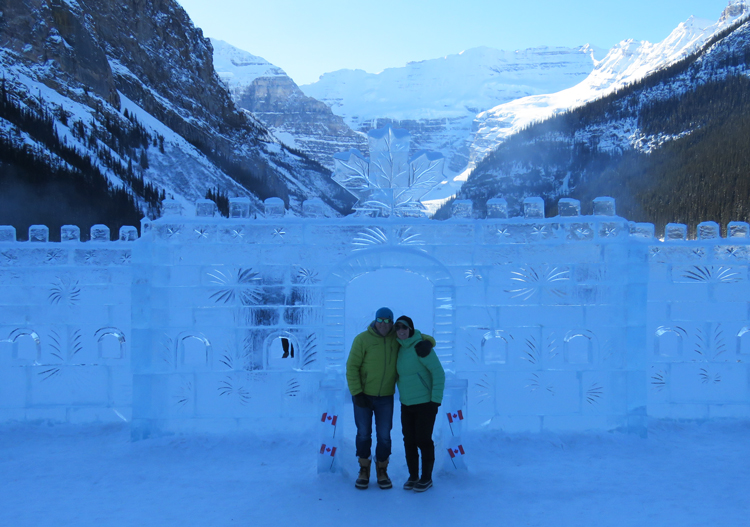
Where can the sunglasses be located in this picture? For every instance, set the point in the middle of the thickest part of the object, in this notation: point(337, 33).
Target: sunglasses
point(398, 327)
point(384, 320)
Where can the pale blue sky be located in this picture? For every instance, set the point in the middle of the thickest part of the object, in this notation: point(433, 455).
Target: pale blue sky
point(307, 38)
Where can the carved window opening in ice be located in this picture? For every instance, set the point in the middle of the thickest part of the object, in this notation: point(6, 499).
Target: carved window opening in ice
point(110, 343)
point(743, 341)
point(388, 183)
point(495, 347)
point(579, 348)
point(193, 351)
point(398, 289)
point(349, 306)
point(281, 352)
point(27, 346)
point(669, 342)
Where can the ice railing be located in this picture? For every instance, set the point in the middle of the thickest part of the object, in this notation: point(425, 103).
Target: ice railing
point(568, 322)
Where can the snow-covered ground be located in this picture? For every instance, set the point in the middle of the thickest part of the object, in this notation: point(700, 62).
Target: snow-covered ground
point(684, 474)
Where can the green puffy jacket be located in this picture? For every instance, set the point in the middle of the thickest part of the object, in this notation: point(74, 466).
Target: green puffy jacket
point(371, 366)
point(420, 379)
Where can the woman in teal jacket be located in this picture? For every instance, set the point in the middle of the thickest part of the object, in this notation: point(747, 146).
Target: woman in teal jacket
point(421, 380)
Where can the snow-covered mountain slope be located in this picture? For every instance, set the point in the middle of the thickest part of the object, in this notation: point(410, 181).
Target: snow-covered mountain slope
point(106, 65)
point(672, 146)
point(437, 100)
point(626, 63)
point(273, 98)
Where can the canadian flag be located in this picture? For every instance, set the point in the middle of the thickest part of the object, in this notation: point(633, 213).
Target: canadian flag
point(328, 450)
point(328, 418)
point(456, 451)
point(455, 416)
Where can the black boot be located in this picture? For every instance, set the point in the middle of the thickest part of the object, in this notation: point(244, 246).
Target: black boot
point(409, 485)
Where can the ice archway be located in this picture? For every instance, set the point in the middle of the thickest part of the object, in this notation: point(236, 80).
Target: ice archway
point(342, 318)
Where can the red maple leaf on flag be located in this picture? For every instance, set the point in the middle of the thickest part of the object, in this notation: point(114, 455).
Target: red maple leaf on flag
point(456, 451)
point(328, 418)
point(328, 450)
point(455, 416)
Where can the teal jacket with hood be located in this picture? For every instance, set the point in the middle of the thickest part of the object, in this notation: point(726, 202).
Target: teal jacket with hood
point(420, 379)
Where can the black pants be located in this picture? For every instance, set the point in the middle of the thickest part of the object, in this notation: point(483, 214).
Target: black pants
point(417, 422)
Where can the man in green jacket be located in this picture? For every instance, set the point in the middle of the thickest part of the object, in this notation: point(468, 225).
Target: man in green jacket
point(371, 376)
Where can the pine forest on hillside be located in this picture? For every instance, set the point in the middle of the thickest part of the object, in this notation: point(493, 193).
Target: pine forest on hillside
point(45, 181)
point(698, 170)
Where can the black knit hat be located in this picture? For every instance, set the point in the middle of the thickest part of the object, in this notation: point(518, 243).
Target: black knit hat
point(406, 321)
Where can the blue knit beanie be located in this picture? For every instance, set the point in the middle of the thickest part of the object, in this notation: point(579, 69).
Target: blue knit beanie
point(384, 312)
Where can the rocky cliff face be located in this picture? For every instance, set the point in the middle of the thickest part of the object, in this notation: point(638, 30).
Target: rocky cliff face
point(99, 58)
point(273, 98)
point(437, 100)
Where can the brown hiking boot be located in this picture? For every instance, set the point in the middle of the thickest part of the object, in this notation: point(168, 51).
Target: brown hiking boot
point(383, 480)
point(363, 478)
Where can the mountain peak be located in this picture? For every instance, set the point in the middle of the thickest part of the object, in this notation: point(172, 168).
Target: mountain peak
point(735, 9)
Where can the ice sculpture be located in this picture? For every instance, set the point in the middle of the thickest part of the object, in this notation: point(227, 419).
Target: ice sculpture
point(388, 183)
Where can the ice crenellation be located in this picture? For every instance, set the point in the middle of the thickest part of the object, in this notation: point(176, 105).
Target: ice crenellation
point(573, 322)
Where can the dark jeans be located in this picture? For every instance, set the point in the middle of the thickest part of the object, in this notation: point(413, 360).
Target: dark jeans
point(417, 422)
point(382, 409)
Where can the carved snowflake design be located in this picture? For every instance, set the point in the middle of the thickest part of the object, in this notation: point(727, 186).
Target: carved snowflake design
point(655, 251)
point(65, 291)
point(292, 388)
point(582, 233)
point(237, 234)
point(387, 183)
point(406, 237)
point(733, 252)
point(707, 377)
point(502, 232)
point(700, 252)
point(172, 231)
point(307, 276)
point(54, 256)
point(64, 350)
point(308, 353)
point(710, 344)
point(370, 237)
point(531, 351)
point(166, 350)
point(473, 274)
point(242, 285)
point(551, 342)
point(594, 393)
point(10, 257)
point(539, 281)
point(704, 273)
point(472, 354)
point(184, 394)
point(125, 258)
point(539, 231)
point(232, 388)
point(89, 256)
point(536, 383)
point(609, 232)
point(201, 233)
point(659, 380)
point(484, 389)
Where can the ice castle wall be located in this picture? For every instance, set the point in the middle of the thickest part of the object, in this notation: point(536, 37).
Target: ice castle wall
point(565, 323)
